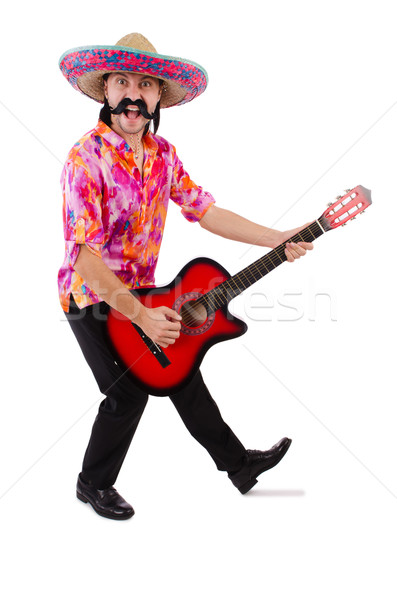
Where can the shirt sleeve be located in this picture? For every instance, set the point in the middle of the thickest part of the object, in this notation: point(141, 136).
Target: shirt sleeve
point(82, 210)
point(193, 200)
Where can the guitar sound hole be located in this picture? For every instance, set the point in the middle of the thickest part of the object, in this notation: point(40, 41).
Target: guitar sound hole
point(196, 319)
point(193, 314)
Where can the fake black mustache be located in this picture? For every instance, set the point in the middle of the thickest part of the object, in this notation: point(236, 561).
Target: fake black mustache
point(121, 107)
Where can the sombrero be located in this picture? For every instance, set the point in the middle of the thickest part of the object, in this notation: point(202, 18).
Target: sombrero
point(84, 68)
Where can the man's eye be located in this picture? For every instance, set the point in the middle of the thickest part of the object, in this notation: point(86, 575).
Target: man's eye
point(121, 81)
point(146, 83)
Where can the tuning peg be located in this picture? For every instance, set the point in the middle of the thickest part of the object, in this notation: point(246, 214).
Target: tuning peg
point(362, 212)
point(330, 204)
point(343, 224)
point(352, 219)
point(339, 197)
point(347, 191)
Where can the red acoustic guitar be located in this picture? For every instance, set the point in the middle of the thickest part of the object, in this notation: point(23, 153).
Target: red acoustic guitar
point(201, 293)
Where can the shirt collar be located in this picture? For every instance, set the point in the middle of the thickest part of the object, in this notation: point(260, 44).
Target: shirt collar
point(115, 140)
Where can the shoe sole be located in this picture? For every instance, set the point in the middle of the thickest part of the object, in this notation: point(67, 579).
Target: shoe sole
point(103, 514)
point(243, 489)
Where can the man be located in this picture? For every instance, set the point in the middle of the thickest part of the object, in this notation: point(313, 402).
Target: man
point(116, 182)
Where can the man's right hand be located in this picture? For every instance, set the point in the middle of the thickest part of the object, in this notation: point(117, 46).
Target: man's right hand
point(161, 324)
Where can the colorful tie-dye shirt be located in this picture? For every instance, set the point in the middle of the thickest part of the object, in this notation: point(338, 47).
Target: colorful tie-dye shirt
point(116, 213)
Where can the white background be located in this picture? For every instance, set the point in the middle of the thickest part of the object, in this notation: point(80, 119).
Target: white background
point(301, 104)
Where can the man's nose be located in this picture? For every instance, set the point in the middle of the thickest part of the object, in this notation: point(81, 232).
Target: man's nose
point(133, 91)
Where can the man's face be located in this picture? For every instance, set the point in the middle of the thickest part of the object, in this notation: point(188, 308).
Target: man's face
point(134, 86)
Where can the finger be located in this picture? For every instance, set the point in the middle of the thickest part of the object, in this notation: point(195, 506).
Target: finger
point(300, 248)
point(306, 245)
point(289, 256)
point(163, 321)
point(172, 314)
point(164, 342)
point(295, 250)
point(165, 335)
point(172, 325)
point(174, 333)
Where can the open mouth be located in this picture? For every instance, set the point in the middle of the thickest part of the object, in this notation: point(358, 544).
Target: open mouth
point(132, 113)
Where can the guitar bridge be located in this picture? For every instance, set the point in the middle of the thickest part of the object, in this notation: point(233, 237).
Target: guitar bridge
point(154, 348)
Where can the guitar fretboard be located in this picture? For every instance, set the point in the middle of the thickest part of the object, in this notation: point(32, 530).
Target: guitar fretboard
point(222, 294)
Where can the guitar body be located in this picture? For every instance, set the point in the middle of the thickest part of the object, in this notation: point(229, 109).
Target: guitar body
point(185, 356)
point(200, 294)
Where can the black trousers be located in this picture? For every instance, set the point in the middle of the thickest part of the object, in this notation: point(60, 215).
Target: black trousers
point(121, 410)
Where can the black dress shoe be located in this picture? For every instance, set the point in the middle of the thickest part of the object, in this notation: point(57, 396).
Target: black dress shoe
point(107, 503)
point(256, 462)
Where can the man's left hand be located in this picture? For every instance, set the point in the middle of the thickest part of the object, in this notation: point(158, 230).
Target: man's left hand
point(292, 250)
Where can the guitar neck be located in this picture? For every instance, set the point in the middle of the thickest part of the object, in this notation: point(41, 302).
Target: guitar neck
point(222, 294)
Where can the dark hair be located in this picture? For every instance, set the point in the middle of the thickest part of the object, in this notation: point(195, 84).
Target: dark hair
point(156, 118)
point(106, 117)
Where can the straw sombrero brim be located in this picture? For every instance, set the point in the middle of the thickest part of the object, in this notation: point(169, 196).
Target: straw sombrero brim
point(84, 68)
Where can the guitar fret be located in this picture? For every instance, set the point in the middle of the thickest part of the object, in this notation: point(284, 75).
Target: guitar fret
point(256, 267)
point(241, 281)
point(229, 289)
point(270, 258)
point(206, 301)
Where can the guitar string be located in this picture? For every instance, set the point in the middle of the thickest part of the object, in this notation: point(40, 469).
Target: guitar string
point(247, 276)
point(252, 278)
point(217, 293)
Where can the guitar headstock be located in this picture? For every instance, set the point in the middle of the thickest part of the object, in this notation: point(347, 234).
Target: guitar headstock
point(346, 207)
